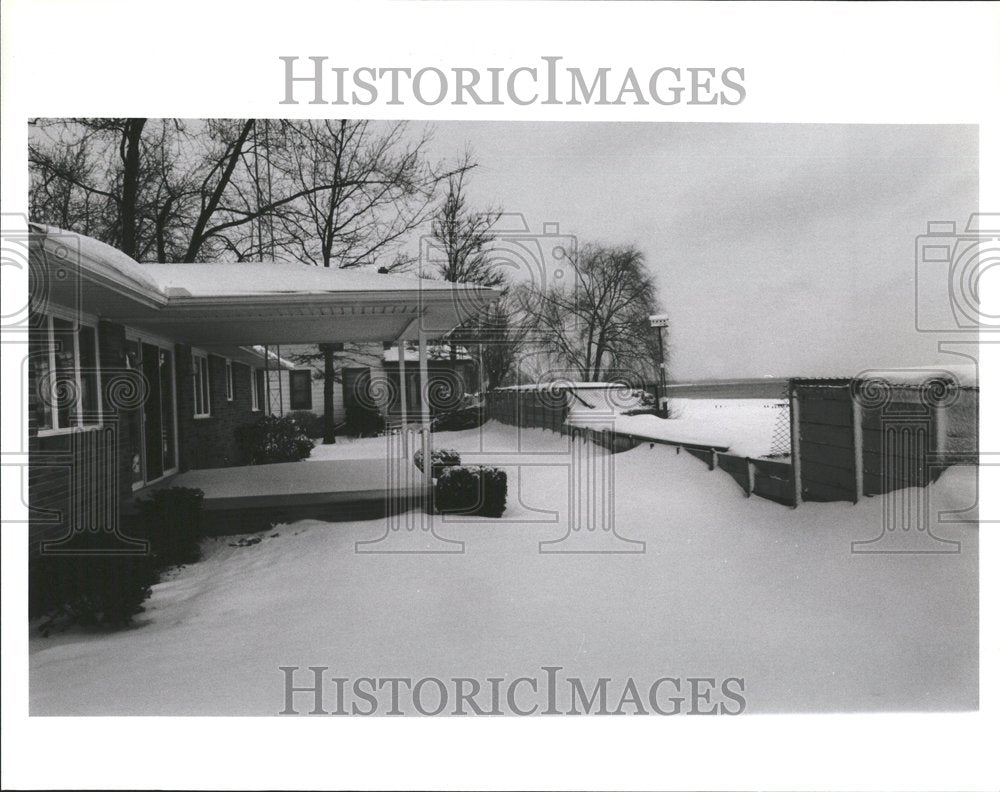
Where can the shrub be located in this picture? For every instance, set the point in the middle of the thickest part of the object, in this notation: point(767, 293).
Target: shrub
point(455, 420)
point(473, 490)
point(171, 519)
point(90, 590)
point(94, 587)
point(310, 423)
point(272, 439)
point(364, 422)
point(441, 458)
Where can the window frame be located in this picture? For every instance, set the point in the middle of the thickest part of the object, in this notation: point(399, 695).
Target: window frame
point(201, 379)
point(77, 321)
point(255, 405)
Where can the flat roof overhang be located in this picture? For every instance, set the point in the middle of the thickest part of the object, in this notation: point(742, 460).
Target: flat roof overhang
point(308, 319)
point(279, 317)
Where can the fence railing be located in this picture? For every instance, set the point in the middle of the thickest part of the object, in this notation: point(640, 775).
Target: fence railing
point(843, 439)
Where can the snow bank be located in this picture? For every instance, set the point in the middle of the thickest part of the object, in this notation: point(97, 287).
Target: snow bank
point(727, 587)
point(745, 427)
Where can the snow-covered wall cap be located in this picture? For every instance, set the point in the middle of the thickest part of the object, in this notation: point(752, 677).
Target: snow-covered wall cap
point(272, 356)
point(434, 352)
point(965, 374)
point(556, 384)
point(98, 258)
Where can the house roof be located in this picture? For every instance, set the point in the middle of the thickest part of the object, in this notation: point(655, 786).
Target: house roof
point(246, 303)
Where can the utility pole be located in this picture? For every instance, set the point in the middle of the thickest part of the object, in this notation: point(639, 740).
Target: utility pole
point(662, 324)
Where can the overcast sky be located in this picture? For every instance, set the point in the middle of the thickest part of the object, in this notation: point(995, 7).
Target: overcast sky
point(778, 249)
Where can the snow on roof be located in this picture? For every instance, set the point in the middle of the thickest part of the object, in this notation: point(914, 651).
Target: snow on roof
point(263, 278)
point(221, 279)
point(105, 259)
point(273, 357)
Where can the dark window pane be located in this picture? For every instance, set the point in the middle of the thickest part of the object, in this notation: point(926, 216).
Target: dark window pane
point(133, 417)
point(89, 395)
point(66, 393)
point(153, 414)
point(167, 408)
point(300, 390)
point(41, 398)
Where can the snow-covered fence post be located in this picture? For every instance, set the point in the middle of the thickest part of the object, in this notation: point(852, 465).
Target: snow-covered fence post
point(793, 419)
point(751, 470)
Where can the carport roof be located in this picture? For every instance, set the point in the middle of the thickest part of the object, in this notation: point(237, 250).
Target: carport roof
point(247, 303)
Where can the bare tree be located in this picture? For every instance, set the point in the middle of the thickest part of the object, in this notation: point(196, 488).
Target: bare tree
point(503, 335)
point(464, 236)
point(333, 193)
point(377, 187)
point(462, 240)
point(599, 327)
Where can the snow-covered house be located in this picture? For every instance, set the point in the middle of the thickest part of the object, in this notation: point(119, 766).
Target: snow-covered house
point(367, 376)
point(137, 372)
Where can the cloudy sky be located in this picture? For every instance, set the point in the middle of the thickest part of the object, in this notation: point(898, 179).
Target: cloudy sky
point(778, 249)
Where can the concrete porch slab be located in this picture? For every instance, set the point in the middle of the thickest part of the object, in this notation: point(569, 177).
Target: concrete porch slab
point(307, 483)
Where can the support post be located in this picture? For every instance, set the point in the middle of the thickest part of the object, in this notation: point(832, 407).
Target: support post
point(401, 349)
point(425, 416)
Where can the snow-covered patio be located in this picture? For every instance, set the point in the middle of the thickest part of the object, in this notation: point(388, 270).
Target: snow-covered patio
point(726, 587)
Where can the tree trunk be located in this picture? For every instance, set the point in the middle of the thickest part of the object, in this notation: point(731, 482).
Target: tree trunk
point(130, 183)
point(329, 426)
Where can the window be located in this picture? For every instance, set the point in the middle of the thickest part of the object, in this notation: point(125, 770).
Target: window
point(67, 373)
point(202, 388)
point(300, 389)
point(229, 380)
point(257, 389)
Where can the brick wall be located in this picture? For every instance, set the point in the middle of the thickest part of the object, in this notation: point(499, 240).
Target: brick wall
point(211, 441)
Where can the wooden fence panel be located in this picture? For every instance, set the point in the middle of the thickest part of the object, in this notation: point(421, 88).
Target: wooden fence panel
point(738, 468)
point(774, 488)
point(827, 466)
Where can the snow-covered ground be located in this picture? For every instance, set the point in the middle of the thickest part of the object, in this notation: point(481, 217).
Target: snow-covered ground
point(728, 586)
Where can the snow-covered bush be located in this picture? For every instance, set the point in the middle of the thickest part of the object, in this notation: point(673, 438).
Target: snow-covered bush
point(272, 438)
point(472, 489)
point(89, 590)
point(456, 420)
point(441, 458)
point(171, 520)
point(310, 423)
